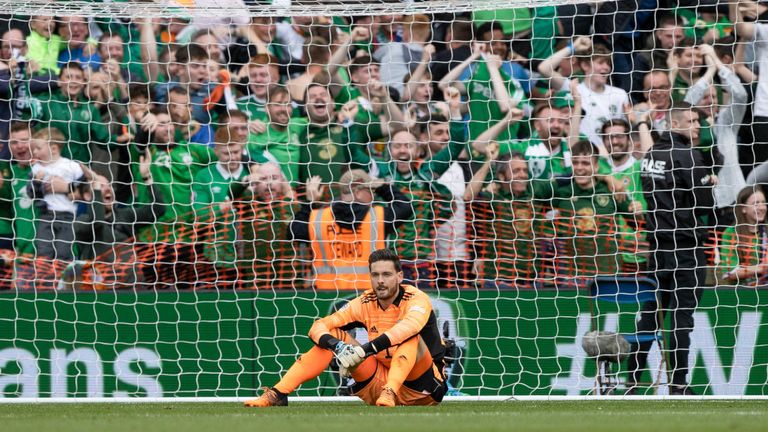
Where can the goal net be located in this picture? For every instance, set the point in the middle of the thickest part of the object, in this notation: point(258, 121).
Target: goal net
point(188, 185)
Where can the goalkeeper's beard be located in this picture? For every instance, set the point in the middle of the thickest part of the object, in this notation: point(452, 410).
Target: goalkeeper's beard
point(384, 293)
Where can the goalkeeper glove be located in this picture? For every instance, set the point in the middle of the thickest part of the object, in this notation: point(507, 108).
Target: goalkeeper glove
point(348, 355)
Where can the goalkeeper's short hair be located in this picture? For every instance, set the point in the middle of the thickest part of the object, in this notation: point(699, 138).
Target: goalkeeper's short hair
point(385, 255)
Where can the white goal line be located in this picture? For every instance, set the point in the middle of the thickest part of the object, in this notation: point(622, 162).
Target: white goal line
point(339, 399)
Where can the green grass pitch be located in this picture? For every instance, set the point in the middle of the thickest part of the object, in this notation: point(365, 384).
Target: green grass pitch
point(592, 416)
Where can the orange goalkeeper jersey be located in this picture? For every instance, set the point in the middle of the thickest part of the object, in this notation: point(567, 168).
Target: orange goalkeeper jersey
point(409, 315)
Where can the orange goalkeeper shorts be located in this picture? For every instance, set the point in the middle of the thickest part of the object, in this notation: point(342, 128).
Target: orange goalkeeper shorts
point(428, 389)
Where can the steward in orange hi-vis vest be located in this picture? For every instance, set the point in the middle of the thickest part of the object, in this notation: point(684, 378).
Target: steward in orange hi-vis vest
point(341, 253)
point(344, 234)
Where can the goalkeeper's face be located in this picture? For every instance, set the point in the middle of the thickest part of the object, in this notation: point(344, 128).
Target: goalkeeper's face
point(385, 280)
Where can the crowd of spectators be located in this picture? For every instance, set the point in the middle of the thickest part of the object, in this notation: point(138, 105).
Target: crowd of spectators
point(504, 148)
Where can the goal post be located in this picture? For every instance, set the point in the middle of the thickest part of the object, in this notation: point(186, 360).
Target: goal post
point(188, 185)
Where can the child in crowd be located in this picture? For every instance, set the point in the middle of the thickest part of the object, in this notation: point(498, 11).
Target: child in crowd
point(56, 183)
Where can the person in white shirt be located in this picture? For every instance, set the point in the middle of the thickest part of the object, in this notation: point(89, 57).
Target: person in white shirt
point(601, 102)
point(398, 59)
point(56, 181)
point(757, 32)
point(725, 119)
point(292, 36)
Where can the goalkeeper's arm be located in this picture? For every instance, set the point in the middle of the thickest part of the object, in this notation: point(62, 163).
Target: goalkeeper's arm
point(346, 318)
point(348, 355)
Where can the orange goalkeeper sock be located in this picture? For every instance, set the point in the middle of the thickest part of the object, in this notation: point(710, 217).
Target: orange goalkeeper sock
point(403, 360)
point(310, 365)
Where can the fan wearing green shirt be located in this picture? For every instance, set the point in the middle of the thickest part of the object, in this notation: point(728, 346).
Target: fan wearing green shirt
point(705, 25)
point(486, 80)
point(20, 213)
point(6, 197)
point(507, 221)
point(173, 168)
point(262, 36)
point(112, 49)
point(376, 106)
point(69, 111)
point(213, 206)
point(586, 220)
point(175, 165)
point(211, 184)
point(267, 207)
point(624, 163)
point(510, 235)
point(130, 50)
point(742, 248)
point(331, 143)
point(432, 202)
point(364, 82)
point(547, 151)
point(279, 143)
point(261, 72)
point(685, 68)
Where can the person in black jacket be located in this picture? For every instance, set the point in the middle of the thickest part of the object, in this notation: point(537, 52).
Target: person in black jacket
point(677, 183)
point(106, 226)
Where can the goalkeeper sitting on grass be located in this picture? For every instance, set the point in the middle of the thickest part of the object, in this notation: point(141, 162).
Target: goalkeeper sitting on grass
point(403, 362)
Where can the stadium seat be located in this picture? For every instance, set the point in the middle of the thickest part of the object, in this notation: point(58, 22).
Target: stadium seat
point(624, 290)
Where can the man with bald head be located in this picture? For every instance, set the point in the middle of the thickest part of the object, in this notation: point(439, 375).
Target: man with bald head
point(658, 95)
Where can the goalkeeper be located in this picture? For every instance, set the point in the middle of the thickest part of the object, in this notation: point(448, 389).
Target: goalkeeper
point(403, 362)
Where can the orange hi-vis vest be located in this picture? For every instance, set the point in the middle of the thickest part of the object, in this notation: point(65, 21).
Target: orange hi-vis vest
point(341, 254)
